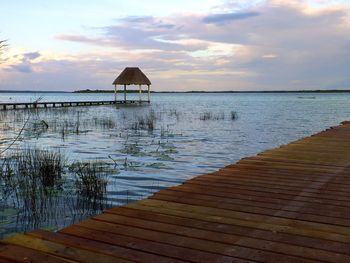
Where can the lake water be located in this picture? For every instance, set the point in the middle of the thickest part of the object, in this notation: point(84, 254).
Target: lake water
point(191, 134)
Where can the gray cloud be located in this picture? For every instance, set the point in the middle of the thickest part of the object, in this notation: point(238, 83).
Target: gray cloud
point(31, 55)
point(138, 33)
point(23, 67)
point(228, 17)
point(148, 21)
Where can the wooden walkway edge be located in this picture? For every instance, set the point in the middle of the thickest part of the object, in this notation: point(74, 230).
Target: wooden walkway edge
point(55, 104)
point(289, 204)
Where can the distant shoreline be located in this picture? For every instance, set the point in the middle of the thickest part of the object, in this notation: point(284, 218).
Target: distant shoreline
point(136, 91)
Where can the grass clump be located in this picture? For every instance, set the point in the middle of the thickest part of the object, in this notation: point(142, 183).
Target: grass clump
point(146, 122)
point(219, 116)
point(233, 115)
point(43, 165)
point(31, 180)
point(91, 181)
point(206, 116)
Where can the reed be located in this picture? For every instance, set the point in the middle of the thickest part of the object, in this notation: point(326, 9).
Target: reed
point(205, 116)
point(145, 122)
point(91, 182)
point(234, 115)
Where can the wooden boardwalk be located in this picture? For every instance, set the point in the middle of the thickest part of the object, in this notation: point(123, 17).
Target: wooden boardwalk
point(290, 204)
point(48, 104)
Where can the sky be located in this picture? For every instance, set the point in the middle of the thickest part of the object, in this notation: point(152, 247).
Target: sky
point(180, 45)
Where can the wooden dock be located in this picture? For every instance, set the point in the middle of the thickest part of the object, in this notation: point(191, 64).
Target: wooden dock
point(290, 204)
point(35, 105)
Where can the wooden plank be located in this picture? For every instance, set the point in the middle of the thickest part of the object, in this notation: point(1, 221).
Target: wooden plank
point(269, 191)
point(276, 213)
point(309, 185)
point(26, 105)
point(184, 219)
point(338, 181)
point(316, 230)
point(296, 183)
point(65, 250)
point(4, 260)
point(161, 249)
point(204, 248)
point(103, 250)
point(252, 201)
point(320, 188)
point(263, 197)
point(13, 253)
point(229, 239)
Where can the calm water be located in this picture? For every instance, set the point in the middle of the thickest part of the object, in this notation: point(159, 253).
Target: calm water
point(180, 146)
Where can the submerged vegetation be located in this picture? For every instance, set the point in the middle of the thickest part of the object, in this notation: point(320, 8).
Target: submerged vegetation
point(30, 181)
point(43, 182)
point(90, 182)
point(36, 183)
point(43, 165)
point(145, 122)
point(208, 115)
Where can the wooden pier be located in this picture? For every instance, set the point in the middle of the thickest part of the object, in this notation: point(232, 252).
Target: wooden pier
point(35, 105)
point(290, 204)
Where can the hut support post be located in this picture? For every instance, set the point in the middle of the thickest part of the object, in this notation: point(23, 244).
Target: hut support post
point(115, 92)
point(149, 93)
point(140, 93)
point(124, 93)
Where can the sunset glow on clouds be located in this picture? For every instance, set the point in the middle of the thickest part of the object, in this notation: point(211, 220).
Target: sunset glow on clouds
point(190, 45)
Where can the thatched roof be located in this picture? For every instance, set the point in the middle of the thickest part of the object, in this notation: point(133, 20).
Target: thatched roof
point(132, 76)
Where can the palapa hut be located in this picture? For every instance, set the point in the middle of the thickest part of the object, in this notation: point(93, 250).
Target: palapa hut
point(132, 76)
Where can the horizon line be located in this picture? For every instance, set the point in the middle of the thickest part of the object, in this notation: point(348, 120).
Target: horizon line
point(189, 91)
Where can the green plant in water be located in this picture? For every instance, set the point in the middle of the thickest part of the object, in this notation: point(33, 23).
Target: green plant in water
point(205, 116)
point(31, 180)
point(233, 115)
point(91, 182)
point(46, 166)
point(146, 122)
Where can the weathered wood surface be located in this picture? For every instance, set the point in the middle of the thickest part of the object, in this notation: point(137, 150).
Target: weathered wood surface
point(55, 104)
point(290, 204)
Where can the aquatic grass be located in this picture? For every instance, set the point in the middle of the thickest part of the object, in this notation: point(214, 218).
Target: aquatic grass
point(45, 165)
point(205, 116)
point(6, 179)
point(31, 181)
point(234, 115)
point(219, 116)
point(175, 112)
point(105, 123)
point(90, 182)
point(145, 122)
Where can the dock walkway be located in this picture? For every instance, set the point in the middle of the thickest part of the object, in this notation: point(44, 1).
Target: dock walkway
point(45, 104)
point(290, 204)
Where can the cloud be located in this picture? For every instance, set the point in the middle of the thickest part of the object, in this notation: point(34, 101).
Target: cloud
point(228, 17)
point(23, 67)
point(147, 20)
point(273, 45)
point(31, 55)
point(22, 63)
